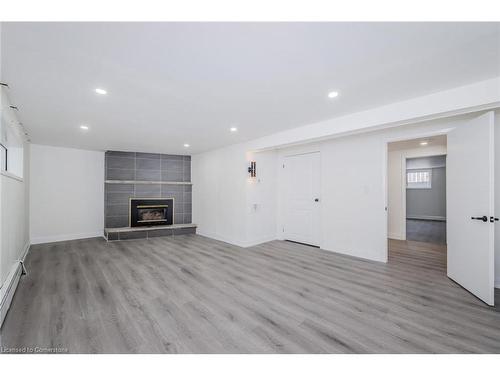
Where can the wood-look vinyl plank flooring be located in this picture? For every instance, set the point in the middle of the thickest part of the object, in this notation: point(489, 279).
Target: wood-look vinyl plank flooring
point(192, 294)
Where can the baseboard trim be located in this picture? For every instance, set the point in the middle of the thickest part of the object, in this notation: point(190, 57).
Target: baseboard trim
point(10, 285)
point(261, 241)
point(220, 238)
point(426, 217)
point(396, 236)
point(380, 259)
point(497, 284)
point(235, 242)
point(65, 237)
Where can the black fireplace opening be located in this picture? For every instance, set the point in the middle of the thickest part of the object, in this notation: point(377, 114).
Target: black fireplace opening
point(151, 211)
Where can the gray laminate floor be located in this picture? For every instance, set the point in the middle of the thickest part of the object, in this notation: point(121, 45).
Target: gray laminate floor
point(190, 294)
point(426, 231)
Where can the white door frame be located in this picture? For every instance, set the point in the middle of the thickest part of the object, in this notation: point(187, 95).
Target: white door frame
point(427, 134)
point(281, 160)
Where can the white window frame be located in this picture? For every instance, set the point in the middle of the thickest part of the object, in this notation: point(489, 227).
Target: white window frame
point(419, 184)
point(3, 158)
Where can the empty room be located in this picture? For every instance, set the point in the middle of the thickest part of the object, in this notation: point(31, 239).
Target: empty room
point(250, 187)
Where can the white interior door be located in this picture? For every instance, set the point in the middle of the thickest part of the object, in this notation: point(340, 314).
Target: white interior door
point(302, 201)
point(470, 206)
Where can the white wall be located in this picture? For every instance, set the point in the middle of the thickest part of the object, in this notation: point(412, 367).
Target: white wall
point(14, 203)
point(353, 212)
point(262, 198)
point(14, 219)
point(227, 204)
point(438, 161)
point(396, 199)
point(14, 188)
point(353, 209)
point(428, 203)
point(353, 190)
point(219, 194)
point(353, 215)
point(67, 194)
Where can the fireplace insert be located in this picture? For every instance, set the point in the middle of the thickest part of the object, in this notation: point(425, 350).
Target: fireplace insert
point(151, 211)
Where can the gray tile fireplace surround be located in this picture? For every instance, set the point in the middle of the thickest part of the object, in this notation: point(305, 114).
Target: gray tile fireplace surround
point(143, 175)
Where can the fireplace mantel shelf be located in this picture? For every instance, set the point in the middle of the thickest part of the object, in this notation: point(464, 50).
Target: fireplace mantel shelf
point(147, 182)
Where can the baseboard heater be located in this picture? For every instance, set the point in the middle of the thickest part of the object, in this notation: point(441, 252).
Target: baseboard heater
point(9, 287)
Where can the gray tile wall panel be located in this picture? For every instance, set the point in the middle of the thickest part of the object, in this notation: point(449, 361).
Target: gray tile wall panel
point(113, 236)
point(178, 218)
point(117, 210)
point(148, 191)
point(172, 157)
point(181, 231)
point(145, 155)
point(120, 174)
point(119, 188)
point(147, 175)
point(139, 166)
point(118, 198)
point(124, 154)
point(132, 235)
point(160, 233)
point(117, 162)
point(154, 164)
point(178, 206)
point(172, 175)
point(116, 221)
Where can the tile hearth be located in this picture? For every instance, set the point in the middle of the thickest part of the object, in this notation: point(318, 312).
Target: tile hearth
point(128, 233)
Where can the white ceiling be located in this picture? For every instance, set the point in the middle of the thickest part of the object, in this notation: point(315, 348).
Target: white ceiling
point(438, 140)
point(175, 83)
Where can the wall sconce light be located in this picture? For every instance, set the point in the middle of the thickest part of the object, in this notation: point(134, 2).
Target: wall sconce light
point(252, 169)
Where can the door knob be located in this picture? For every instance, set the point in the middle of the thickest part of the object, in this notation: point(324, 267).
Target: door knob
point(483, 218)
point(493, 219)
point(317, 200)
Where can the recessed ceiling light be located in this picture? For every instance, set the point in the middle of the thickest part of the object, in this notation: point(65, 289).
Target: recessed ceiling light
point(84, 127)
point(233, 129)
point(424, 143)
point(101, 91)
point(333, 94)
point(186, 145)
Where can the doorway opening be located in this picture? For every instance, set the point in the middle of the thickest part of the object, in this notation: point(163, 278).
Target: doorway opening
point(416, 182)
point(470, 211)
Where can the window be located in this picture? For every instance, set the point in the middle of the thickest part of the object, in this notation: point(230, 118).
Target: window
point(419, 179)
point(11, 150)
point(3, 158)
point(12, 139)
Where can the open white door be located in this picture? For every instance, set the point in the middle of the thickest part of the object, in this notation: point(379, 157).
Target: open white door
point(470, 206)
point(301, 221)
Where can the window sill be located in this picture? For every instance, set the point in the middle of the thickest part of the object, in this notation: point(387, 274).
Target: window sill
point(13, 176)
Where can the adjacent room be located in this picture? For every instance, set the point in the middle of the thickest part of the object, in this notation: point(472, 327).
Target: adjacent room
point(416, 173)
point(247, 187)
point(426, 199)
